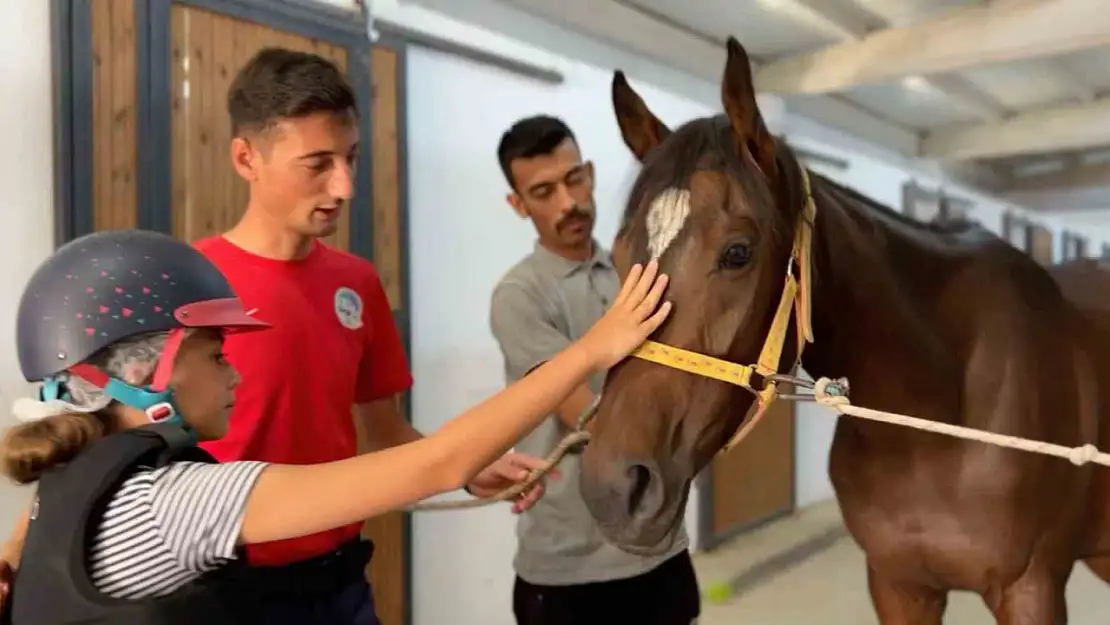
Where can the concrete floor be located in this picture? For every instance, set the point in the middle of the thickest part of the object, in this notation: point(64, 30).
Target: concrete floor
point(828, 587)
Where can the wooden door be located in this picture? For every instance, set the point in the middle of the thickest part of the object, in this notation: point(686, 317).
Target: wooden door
point(205, 195)
point(1041, 244)
point(389, 567)
point(114, 115)
point(754, 481)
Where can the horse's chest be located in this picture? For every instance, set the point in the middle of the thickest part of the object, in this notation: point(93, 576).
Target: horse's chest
point(944, 521)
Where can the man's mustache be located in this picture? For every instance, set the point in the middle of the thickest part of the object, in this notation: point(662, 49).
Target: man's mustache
point(574, 214)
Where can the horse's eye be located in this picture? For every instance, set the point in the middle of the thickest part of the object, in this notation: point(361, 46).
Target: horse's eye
point(735, 256)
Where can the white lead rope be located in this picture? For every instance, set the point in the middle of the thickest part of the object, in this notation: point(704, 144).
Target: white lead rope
point(570, 442)
point(833, 393)
point(827, 392)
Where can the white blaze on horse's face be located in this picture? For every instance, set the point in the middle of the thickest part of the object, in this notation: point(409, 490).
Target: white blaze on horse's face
point(666, 216)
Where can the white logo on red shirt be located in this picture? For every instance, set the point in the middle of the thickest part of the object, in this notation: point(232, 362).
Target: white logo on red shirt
point(348, 308)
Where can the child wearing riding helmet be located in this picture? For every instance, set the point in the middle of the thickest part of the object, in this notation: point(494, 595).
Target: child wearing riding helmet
point(132, 522)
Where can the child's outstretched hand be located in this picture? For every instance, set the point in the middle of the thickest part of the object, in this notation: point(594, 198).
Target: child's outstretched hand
point(634, 315)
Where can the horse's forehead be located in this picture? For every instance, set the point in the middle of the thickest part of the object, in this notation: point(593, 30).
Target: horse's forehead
point(666, 216)
point(669, 211)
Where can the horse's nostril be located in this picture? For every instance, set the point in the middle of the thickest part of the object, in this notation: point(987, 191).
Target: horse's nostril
point(640, 477)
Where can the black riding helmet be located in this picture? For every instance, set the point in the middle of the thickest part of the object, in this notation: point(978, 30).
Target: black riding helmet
point(104, 287)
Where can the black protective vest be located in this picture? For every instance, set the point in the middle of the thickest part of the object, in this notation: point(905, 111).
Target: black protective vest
point(53, 585)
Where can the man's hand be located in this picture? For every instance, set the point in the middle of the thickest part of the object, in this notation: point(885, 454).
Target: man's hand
point(7, 577)
point(506, 471)
point(11, 552)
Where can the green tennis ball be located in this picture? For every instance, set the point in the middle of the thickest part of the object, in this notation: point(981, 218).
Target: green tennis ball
point(718, 592)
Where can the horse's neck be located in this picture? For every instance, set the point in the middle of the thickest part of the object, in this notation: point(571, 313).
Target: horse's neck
point(872, 314)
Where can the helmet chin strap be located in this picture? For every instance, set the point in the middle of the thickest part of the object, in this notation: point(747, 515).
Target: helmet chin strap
point(156, 400)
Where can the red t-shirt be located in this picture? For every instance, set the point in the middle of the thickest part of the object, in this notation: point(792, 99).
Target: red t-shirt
point(333, 344)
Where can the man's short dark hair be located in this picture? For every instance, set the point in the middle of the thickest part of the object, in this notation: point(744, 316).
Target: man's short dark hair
point(530, 137)
point(278, 83)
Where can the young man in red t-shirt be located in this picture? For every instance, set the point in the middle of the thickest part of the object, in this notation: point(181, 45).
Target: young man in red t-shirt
point(334, 344)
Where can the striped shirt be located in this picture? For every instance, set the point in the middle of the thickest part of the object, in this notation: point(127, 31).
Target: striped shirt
point(166, 527)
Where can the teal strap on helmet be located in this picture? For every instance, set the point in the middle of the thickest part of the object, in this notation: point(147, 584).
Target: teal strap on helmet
point(159, 406)
point(52, 390)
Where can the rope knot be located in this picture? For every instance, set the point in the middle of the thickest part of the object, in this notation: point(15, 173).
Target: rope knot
point(831, 392)
point(1082, 455)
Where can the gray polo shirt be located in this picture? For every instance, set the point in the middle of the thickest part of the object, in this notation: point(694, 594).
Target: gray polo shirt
point(538, 308)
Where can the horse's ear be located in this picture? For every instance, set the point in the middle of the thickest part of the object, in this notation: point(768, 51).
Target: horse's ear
point(738, 95)
point(641, 129)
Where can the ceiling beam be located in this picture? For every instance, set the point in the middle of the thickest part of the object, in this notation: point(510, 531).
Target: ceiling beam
point(1079, 87)
point(846, 18)
point(620, 24)
point(852, 22)
point(1070, 179)
point(854, 124)
point(1082, 187)
point(635, 31)
point(1090, 198)
point(1057, 129)
point(994, 33)
point(975, 176)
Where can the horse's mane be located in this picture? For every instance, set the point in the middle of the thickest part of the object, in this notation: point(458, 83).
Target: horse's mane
point(957, 226)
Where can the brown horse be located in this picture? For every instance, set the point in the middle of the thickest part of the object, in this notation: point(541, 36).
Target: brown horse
point(943, 322)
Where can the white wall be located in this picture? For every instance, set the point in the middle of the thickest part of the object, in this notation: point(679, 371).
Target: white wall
point(27, 184)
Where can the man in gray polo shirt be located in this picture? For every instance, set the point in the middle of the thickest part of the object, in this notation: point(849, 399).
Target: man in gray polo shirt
point(566, 572)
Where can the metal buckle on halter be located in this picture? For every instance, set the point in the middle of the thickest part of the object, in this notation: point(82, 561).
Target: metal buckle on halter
point(757, 382)
point(785, 378)
point(796, 382)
